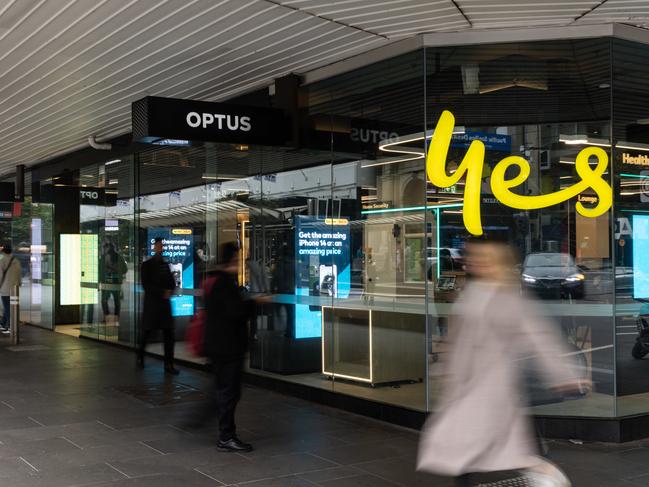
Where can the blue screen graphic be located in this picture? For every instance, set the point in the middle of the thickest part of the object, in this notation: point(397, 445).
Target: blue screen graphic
point(178, 250)
point(640, 253)
point(322, 270)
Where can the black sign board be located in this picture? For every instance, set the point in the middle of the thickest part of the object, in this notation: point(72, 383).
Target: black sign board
point(157, 119)
point(7, 192)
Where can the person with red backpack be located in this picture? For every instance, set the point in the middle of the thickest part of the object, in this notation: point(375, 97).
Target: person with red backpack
point(225, 342)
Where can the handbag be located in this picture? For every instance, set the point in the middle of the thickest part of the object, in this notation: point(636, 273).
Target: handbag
point(195, 335)
point(6, 271)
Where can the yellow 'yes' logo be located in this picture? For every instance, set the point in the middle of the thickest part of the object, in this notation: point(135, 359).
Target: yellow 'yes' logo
point(472, 165)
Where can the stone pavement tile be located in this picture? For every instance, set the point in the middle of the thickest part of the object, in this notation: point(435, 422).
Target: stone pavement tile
point(290, 481)
point(30, 402)
point(36, 447)
point(180, 444)
point(247, 470)
point(642, 480)
point(15, 466)
point(366, 452)
point(624, 463)
point(596, 478)
point(280, 443)
point(77, 476)
point(399, 470)
point(332, 473)
point(365, 480)
point(117, 437)
point(16, 422)
point(137, 467)
point(189, 479)
point(44, 432)
point(365, 434)
point(55, 419)
point(128, 420)
point(54, 461)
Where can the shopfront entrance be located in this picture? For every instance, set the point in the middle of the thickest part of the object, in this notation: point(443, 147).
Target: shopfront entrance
point(339, 221)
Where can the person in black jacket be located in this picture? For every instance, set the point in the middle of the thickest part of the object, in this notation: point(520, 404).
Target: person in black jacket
point(159, 284)
point(228, 312)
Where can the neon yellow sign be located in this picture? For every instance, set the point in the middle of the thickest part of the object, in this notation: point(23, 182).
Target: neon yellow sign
point(472, 166)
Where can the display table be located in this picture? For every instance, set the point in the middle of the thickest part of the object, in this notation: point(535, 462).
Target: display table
point(372, 346)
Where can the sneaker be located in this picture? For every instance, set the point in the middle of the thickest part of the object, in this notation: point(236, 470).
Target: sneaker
point(537, 479)
point(6, 331)
point(233, 445)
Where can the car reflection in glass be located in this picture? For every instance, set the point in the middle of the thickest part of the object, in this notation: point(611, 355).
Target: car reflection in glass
point(552, 275)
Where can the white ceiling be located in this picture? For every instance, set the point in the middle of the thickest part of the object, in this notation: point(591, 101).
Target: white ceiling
point(71, 68)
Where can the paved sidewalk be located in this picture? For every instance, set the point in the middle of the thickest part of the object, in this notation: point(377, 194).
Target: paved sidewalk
point(76, 413)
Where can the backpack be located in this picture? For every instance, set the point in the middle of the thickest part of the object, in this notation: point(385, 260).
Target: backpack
point(195, 335)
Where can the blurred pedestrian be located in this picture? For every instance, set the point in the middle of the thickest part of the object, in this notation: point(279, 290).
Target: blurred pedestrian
point(481, 424)
point(9, 279)
point(159, 284)
point(228, 311)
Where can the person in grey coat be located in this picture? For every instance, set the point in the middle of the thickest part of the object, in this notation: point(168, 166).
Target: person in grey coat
point(481, 424)
point(9, 278)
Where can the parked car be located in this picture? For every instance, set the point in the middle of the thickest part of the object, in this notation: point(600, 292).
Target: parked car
point(552, 275)
point(450, 259)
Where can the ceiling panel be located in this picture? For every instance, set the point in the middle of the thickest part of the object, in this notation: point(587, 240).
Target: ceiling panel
point(71, 68)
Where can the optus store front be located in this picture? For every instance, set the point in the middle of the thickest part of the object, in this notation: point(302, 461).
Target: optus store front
point(359, 237)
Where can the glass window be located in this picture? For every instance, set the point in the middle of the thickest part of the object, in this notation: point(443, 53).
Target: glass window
point(631, 204)
point(543, 102)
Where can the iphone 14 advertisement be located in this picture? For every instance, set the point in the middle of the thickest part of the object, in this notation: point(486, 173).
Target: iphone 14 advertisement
point(322, 270)
point(178, 251)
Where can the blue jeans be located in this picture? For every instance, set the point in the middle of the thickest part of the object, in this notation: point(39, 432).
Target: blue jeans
point(6, 312)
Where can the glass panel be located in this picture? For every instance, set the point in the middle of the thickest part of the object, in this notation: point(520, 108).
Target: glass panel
point(378, 320)
point(543, 102)
point(171, 204)
point(631, 193)
point(33, 246)
point(105, 251)
point(287, 226)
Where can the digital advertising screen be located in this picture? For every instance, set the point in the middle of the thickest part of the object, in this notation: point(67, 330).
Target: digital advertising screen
point(178, 250)
point(79, 268)
point(322, 268)
point(640, 225)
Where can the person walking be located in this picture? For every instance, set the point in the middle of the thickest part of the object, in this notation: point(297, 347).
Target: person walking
point(481, 424)
point(228, 312)
point(159, 284)
point(9, 278)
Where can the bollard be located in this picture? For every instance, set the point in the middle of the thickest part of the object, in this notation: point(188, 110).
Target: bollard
point(14, 320)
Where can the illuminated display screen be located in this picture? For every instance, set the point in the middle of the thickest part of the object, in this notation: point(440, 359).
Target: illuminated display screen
point(640, 252)
point(322, 263)
point(178, 250)
point(79, 259)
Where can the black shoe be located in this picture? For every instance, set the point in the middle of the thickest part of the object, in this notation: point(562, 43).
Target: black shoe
point(233, 445)
point(169, 369)
point(140, 362)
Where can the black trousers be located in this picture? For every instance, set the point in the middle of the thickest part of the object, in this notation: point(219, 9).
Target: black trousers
point(222, 399)
point(227, 390)
point(117, 301)
point(6, 312)
point(169, 344)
